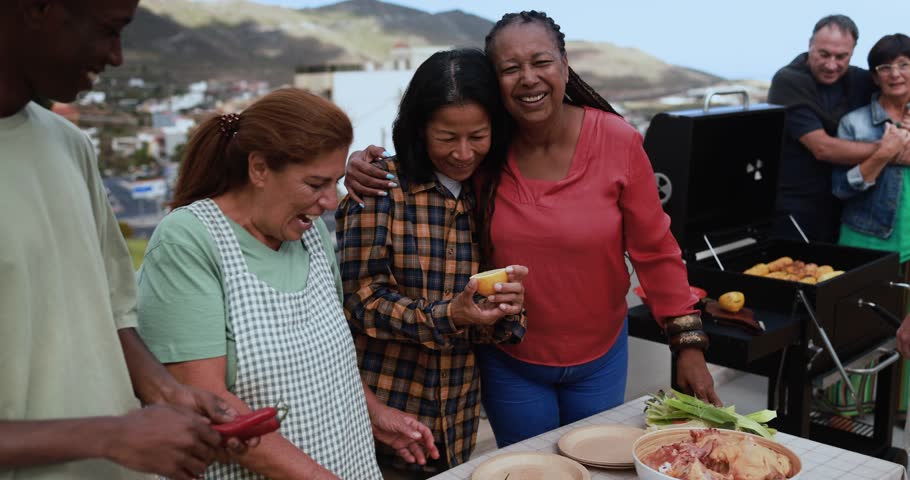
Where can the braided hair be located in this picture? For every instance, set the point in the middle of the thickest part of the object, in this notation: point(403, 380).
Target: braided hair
point(578, 93)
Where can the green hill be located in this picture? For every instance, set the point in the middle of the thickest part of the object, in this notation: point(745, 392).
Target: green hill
point(180, 41)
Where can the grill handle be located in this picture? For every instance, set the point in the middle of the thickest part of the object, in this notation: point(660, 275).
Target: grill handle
point(882, 312)
point(798, 229)
point(905, 286)
point(801, 297)
point(727, 91)
point(893, 357)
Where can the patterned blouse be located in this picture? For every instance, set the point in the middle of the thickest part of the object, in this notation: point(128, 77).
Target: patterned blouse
point(403, 259)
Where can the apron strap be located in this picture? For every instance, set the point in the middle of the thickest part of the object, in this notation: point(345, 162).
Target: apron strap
point(232, 261)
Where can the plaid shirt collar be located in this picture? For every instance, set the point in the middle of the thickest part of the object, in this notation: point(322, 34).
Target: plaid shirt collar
point(466, 195)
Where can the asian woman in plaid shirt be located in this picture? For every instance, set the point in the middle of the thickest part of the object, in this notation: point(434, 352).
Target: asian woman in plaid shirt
point(575, 194)
point(407, 258)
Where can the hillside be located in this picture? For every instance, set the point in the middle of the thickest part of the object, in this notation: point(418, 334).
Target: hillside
point(179, 41)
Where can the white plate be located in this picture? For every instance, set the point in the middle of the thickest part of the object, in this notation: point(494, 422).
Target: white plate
point(604, 446)
point(530, 466)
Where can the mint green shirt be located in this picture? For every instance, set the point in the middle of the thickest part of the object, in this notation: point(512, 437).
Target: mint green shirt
point(66, 285)
point(183, 308)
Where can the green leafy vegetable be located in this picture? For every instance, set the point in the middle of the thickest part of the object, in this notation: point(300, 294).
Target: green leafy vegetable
point(676, 408)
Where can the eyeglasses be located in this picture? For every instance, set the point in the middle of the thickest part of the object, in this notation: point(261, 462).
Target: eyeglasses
point(889, 68)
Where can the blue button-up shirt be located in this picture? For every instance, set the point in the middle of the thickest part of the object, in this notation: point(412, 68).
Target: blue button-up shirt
point(869, 208)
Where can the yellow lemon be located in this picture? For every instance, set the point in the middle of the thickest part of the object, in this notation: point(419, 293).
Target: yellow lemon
point(732, 301)
point(487, 280)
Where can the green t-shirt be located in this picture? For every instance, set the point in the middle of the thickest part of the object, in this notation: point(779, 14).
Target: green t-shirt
point(183, 310)
point(899, 241)
point(66, 285)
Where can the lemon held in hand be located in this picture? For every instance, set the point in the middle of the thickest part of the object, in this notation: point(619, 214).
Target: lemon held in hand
point(486, 281)
point(732, 301)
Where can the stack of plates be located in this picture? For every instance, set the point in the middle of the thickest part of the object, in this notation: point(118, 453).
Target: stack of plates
point(601, 446)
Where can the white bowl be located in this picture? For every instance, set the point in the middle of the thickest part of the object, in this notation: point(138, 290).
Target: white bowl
point(650, 442)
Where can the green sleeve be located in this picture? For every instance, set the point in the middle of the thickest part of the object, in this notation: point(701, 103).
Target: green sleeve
point(182, 312)
point(330, 256)
point(118, 265)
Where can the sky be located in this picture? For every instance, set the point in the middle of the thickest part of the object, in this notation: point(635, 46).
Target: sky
point(736, 40)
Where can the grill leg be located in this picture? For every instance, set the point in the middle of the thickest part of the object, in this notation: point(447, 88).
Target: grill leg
point(886, 398)
point(796, 393)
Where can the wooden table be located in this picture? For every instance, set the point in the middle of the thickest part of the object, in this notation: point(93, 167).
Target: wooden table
point(820, 461)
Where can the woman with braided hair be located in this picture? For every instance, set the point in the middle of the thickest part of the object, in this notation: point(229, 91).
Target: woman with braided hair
point(576, 193)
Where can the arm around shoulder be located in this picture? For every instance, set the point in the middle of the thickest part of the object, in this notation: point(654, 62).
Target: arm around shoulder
point(836, 150)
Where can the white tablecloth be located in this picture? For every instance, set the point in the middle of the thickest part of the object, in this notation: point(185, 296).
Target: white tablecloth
point(820, 461)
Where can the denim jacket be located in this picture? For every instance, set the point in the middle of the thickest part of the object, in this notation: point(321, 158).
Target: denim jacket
point(867, 209)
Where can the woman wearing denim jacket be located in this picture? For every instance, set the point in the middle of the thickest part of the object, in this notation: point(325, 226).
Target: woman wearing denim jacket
point(876, 205)
point(876, 192)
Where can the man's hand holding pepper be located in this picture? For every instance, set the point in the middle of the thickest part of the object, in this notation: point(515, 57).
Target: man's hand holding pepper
point(154, 385)
point(161, 439)
point(215, 409)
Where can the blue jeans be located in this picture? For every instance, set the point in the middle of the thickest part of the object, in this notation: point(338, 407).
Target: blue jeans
point(524, 399)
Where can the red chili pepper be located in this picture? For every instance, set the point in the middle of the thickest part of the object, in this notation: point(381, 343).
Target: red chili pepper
point(253, 424)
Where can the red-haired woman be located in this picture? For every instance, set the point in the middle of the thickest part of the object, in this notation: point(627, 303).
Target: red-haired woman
point(239, 291)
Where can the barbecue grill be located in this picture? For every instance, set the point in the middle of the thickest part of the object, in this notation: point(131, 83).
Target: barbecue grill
point(716, 170)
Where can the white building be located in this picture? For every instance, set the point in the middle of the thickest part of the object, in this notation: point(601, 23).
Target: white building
point(175, 136)
point(406, 57)
point(92, 98)
point(199, 87)
point(371, 98)
point(369, 93)
point(125, 146)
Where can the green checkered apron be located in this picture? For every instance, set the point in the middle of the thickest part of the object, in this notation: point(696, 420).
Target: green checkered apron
point(296, 348)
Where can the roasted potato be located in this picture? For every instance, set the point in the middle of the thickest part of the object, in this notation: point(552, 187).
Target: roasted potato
point(823, 270)
point(759, 269)
point(779, 263)
point(830, 275)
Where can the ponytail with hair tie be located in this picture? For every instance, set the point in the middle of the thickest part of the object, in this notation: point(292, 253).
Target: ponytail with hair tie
point(229, 123)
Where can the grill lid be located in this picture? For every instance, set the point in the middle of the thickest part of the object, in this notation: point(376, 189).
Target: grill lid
point(716, 169)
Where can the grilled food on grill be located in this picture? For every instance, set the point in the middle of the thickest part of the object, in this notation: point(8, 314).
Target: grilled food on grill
point(779, 264)
point(824, 269)
point(759, 269)
point(785, 268)
point(830, 275)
